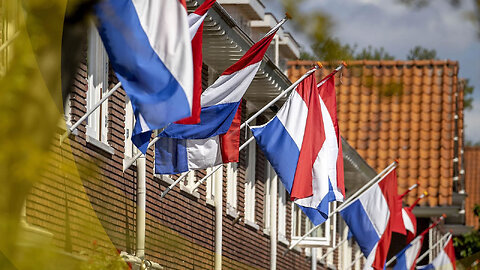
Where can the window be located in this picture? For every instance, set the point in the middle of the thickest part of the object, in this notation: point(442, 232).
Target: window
point(282, 211)
point(267, 199)
point(130, 149)
point(232, 189)
point(301, 225)
point(9, 31)
point(250, 184)
point(67, 116)
point(211, 184)
point(97, 72)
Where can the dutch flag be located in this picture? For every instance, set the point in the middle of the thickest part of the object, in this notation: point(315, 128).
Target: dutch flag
point(195, 22)
point(445, 260)
point(148, 43)
point(301, 144)
point(407, 258)
point(370, 217)
point(215, 139)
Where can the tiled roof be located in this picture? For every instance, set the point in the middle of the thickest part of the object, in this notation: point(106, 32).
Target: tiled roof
point(403, 110)
point(472, 183)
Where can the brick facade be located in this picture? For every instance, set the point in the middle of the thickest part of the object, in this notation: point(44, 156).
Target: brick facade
point(180, 229)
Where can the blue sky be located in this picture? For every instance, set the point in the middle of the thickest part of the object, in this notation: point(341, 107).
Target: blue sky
point(397, 28)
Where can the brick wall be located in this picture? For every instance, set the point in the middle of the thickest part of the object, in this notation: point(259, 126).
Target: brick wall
point(85, 197)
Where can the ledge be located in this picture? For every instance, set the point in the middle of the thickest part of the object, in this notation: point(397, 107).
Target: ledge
point(164, 178)
point(189, 191)
point(283, 240)
point(100, 145)
point(232, 212)
point(252, 224)
point(210, 202)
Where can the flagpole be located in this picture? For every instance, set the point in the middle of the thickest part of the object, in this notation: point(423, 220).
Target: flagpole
point(379, 177)
point(355, 261)
point(425, 194)
point(418, 237)
point(333, 249)
point(75, 126)
point(180, 178)
point(434, 246)
point(409, 189)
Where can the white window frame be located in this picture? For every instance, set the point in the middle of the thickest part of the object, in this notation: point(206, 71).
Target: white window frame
point(67, 110)
point(250, 184)
point(232, 174)
point(282, 212)
point(130, 149)
point(211, 180)
point(311, 241)
point(97, 76)
point(267, 199)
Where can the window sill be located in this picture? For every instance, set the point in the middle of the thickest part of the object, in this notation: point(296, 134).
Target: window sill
point(62, 128)
point(252, 224)
point(266, 231)
point(164, 178)
point(283, 240)
point(232, 212)
point(210, 201)
point(189, 191)
point(126, 160)
point(100, 145)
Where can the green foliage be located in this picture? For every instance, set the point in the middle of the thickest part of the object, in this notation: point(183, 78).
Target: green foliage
point(469, 243)
point(467, 94)
point(421, 53)
point(371, 53)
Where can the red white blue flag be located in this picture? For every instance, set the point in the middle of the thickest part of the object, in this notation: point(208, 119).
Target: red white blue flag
point(370, 218)
point(148, 44)
point(294, 143)
point(215, 139)
point(195, 22)
point(445, 260)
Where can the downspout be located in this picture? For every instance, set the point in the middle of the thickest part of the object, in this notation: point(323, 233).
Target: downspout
point(218, 222)
point(141, 200)
point(314, 258)
point(273, 218)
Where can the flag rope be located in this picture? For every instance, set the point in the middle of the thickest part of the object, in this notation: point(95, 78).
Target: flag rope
point(425, 254)
point(379, 177)
point(84, 117)
point(418, 238)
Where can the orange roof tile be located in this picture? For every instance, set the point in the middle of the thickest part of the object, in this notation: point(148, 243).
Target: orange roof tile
point(400, 110)
point(472, 183)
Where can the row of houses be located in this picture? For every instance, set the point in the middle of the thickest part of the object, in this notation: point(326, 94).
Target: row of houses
point(410, 111)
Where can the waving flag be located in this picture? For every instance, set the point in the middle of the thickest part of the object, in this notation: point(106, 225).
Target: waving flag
point(195, 22)
point(407, 258)
point(292, 141)
point(369, 218)
point(445, 260)
point(409, 222)
point(331, 151)
point(148, 43)
point(187, 147)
